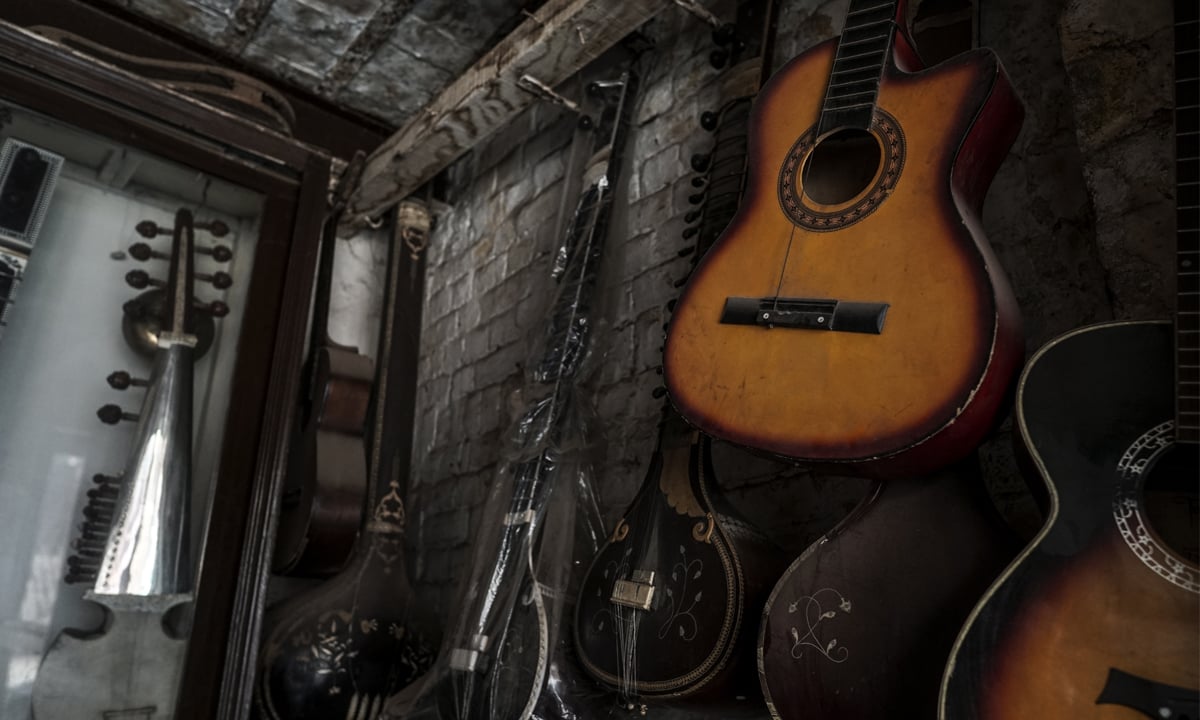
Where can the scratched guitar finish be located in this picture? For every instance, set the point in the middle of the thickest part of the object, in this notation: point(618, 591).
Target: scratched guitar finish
point(853, 311)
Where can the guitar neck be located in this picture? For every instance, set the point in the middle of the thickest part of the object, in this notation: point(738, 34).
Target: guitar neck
point(1187, 176)
point(862, 54)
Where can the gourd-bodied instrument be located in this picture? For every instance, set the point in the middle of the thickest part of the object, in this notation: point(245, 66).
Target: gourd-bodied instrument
point(341, 648)
point(668, 611)
point(1099, 617)
point(133, 546)
point(853, 311)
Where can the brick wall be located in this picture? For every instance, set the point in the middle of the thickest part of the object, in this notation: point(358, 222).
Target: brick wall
point(488, 283)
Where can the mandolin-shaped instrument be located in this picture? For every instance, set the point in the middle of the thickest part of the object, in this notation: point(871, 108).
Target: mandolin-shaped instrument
point(667, 613)
point(339, 649)
point(326, 485)
point(133, 545)
point(1099, 617)
point(853, 311)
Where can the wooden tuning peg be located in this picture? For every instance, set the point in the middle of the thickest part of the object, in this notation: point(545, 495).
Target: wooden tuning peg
point(216, 308)
point(216, 228)
point(113, 414)
point(700, 161)
point(121, 380)
point(658, 392)
point(149, 229)
point(708, 120)
point(219, 280)
point(220, 253)
point(140, 280)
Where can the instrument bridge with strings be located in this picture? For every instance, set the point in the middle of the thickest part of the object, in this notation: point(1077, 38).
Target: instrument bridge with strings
point(637, 592)
point(806, 314)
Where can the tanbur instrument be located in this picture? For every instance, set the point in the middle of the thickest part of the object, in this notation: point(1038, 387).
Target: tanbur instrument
point(341, 648)
point(668, 612)
point(133, 543)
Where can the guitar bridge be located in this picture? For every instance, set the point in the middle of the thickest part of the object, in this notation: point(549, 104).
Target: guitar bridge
point(806, 314)
point(637, 592)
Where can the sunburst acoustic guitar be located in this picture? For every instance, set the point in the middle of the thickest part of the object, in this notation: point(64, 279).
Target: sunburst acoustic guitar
point(853, 311)
point(1099, 617)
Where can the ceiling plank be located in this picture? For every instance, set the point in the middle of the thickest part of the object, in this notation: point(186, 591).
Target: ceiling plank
point(377, 31)
point(553, 44)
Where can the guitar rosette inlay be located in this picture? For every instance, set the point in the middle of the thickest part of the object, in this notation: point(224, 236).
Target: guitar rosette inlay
point(804, 212)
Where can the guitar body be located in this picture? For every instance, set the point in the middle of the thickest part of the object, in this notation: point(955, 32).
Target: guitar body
point(690, 638)
point(326, 489)
point(1099, 617)
point(922, 391)
point(859, 629)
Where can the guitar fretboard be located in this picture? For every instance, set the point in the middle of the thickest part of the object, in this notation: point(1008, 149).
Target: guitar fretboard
point(1187, 178)
point(862, 54)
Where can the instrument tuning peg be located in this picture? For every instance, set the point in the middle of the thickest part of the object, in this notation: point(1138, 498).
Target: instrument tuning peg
point(700, 161)
point(699, 181)
point(149, 229)
point(680, 283)
point(215, 227)
point(216, 308)
point(220, 253)
point(690, 231)
point(121, 380)
point(692, 216)
point(718, 58)
point(671, 304)
point(687, 251)
point(708, 120)
point(143, 252)
point(658, 369)
point(102, 479)
point(658, 392)
point(139, 280)
point(696, 198)
point(113, 414)
point(219, 280)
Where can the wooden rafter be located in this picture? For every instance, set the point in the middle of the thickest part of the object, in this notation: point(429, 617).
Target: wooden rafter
point(553, 44)
point(376, 32)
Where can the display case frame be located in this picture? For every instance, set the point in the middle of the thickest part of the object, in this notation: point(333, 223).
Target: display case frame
point(293, 179)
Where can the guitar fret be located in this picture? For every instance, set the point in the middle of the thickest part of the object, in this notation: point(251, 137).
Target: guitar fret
point(850, 107)
point(842, 58)
point(880, 6)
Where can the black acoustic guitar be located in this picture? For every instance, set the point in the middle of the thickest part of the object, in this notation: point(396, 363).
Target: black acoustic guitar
point(1099, 617)
point(503, 658)
point(667, 612)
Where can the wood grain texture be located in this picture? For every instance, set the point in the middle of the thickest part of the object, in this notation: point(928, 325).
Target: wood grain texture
point(554, 43)
point(950, 339)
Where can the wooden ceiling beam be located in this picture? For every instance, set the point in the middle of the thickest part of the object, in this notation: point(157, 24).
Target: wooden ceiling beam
point(552, 44)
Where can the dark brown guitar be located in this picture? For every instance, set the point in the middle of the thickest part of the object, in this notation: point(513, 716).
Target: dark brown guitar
point(326, 484)
point(338, 650)
point(667, 612)
point(853, 311)
point(1099, 617)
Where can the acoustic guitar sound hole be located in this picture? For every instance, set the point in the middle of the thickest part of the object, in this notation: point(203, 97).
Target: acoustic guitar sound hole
point(841, 167)
point(1171, 500)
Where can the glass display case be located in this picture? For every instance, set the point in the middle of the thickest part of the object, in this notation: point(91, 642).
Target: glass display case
point(151, 332)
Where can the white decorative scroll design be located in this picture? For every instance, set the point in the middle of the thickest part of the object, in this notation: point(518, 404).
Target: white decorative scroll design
point(824, 604)
point(1127, 511)
point(683, 572)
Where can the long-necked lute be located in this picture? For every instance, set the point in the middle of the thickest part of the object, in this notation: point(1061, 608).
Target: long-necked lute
point(668, 611)
point(853, 311)
point(338, 650)
point(504, 658)
point(1099, 617)
point(133, 546)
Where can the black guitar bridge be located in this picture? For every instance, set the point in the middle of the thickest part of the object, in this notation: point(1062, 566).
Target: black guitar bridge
point(806, 314)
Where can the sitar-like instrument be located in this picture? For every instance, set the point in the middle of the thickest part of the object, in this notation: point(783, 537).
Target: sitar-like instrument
point(853, 311)
point(667, 613)
point(133, 544)
point(507, 656)
point(339, 649)
point(1099, 617)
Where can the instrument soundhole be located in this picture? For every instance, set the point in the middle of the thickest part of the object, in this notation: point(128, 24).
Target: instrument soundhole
point(1171, 498)
point(842, 166)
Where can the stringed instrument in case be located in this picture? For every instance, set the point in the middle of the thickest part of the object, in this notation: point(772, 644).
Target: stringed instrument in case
point(326, 485)
point(853, 311)
point(1099, 617)
point(667, 612)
